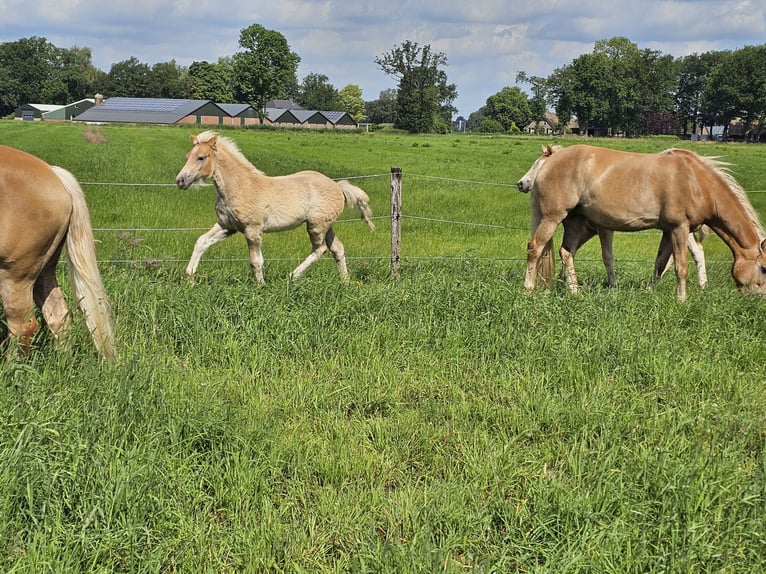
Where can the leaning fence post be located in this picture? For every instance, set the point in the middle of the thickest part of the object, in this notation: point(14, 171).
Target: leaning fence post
point(396, 219)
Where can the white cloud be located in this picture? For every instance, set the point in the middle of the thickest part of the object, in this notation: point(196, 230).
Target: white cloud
point(487, 42)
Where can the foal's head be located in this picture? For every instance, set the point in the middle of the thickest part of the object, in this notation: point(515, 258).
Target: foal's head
point(200, 160)
point(528, 179)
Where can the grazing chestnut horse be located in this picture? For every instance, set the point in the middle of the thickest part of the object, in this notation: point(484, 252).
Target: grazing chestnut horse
point(676, 191)
point(252, 203)
point(42, 207)
point(577, 233)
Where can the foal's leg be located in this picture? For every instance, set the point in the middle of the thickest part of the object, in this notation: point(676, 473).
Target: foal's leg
point(253, 237)
point(606, 236)
point(204, 241)
point(338, 252)
point(49, 298)
point(680, 239)
point(318, 247)
point(19, 310)
point(577, 232)
point(698, 254)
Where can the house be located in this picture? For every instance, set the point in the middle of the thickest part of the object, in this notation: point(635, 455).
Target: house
point(549, 125)
point(154, 111)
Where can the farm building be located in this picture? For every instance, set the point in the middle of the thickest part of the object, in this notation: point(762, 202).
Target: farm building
point(154, 111)
point(34, 112)
point(69, 111)
point(207, 112)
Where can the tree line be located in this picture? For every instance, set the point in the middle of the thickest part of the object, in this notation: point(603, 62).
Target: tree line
point(621, 89)
point(618, 88)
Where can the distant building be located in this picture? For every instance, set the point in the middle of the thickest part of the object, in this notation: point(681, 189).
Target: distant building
point(34, 112)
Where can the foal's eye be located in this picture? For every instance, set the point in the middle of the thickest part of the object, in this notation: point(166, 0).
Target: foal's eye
point(201, 158)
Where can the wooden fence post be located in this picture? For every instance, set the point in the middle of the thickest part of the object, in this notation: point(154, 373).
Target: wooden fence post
point(396, 220)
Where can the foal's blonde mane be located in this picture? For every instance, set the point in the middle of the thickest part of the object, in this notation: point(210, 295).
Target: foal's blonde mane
point(230, 146)
point(722, 168)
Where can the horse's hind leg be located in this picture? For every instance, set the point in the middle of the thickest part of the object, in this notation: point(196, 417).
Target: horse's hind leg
point(49, 298)
point(338, 252)
point(19, 310)
point(698, 254)
point(318, 247)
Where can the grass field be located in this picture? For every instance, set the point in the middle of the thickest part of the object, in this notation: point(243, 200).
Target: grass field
point(444, 422)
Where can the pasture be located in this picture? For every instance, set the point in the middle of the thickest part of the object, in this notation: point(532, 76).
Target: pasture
point(443, 422)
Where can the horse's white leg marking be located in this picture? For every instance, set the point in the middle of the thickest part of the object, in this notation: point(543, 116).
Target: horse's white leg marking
point(698, 254)
point(568, 269)
point(680, 238)
point(204, 241)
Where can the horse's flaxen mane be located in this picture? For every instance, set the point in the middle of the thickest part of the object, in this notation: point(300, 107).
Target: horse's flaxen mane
point(722, 168)
point(230, 146)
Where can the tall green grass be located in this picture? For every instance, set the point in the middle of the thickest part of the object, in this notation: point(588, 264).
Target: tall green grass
point(445, 422)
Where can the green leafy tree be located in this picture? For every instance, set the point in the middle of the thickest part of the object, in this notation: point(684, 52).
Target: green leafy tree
point(382, 110)
point(737, 89)
point(167, 81)
point(129, 78)
point(266, 68)
point(424, 98)
point(692, 78)
point(538, 103)
point(34, 70)
point(317, 93)
point(509, 107)
point(211, 81)
point(350, 100)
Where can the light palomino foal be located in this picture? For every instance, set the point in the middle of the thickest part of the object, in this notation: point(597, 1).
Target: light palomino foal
point(250, 202)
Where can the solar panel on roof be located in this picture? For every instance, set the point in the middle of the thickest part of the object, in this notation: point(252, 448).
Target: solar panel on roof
point(142, 104)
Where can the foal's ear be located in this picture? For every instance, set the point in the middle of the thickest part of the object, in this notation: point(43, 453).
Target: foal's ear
point(547, 150)
point(193, 139)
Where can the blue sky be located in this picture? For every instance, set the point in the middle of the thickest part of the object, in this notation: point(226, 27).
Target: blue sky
point(487, 42)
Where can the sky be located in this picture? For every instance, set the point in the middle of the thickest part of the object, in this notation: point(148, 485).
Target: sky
point(486, 42)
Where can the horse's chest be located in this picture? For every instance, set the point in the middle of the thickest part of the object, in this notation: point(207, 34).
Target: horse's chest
point(227, 217)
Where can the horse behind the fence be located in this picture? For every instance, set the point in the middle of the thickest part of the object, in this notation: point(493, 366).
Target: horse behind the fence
point(676, 191)
point(253, 203)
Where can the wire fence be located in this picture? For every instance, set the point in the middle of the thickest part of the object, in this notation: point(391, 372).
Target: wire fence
point(382, 257)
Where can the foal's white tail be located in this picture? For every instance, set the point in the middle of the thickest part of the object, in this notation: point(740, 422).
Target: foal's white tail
point(357, 198)
point(83, 270)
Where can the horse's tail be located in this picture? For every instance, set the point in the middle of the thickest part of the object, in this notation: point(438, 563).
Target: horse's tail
point(83, 271)
point(357, 198)
point(545, 262)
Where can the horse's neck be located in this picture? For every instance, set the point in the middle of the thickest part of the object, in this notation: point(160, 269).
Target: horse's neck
point(230, 172)
point(737, 230)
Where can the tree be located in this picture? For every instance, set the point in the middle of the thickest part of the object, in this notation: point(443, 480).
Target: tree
point(350, 100)
point(737, 89)
point(167, 81)
point(424, 98)
point(538, 104)
point(34, 70)
point(266, 68)
point(692, 78)
point(509, 108)
point(129, 78)
point(211, 81)
point(382, 110)
point(317, 93)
